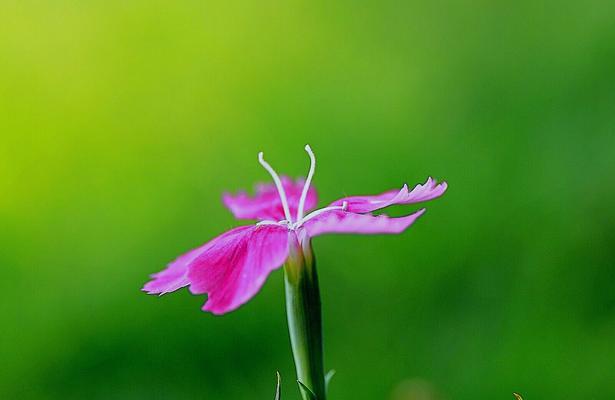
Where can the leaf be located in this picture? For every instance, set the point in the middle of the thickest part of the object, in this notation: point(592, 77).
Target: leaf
point(306, 392)
point(517, 396)
point(328, 379)
point(278, 391)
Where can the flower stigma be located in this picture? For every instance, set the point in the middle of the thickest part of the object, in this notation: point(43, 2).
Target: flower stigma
point(278, 185)
point(306, 186)
point(301, 219)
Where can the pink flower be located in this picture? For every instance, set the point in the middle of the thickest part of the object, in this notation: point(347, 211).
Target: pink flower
point(232, 267)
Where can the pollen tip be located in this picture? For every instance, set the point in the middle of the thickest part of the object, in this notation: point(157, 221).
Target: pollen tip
point(260, 155)
point(307, 147)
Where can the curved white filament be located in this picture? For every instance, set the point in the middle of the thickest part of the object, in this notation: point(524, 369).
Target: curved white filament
point(318, 212)
point(306, 185)
point(278, 185)
point(268, 222)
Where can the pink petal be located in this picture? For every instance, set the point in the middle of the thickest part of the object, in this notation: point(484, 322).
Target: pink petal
point(338, 221)
point(173, 277)
point(266, 204)
point(363, 204)
point(236, 265)
point(427, 191)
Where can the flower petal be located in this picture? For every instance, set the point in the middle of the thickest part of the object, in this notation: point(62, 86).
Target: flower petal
point(363, 204)
point(266, 204)
point(236, 265)
point(173, 277)
point(338, 221)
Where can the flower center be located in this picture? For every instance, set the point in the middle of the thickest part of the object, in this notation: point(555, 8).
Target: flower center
point(306, 187)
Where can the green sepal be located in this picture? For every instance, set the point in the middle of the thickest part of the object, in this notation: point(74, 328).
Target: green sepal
point(303, 311)
point(306, 392)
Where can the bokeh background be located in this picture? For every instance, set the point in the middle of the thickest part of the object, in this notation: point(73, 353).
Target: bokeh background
point(122, 122)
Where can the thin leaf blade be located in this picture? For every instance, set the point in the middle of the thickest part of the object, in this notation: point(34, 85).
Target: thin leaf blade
point(306, 392)
point(328, 378)
point(278, 389)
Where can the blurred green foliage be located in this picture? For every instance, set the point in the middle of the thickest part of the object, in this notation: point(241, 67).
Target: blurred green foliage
point(122, 122)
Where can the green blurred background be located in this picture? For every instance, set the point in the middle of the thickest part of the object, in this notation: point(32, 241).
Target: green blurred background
point(122, 122)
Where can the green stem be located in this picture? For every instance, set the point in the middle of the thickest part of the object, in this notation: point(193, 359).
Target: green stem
point(304, 317)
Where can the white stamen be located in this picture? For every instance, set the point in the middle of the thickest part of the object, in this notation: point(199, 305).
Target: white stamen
point(278, 185)
point(306, 185)
point(268, 222)
point(318, 212)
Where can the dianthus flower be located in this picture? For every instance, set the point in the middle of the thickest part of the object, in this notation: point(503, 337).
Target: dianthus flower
point(232, 267)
